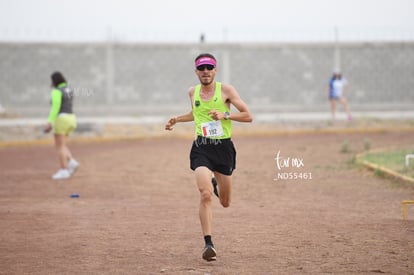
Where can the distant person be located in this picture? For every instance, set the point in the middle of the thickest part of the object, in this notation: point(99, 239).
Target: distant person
point(212, 150)
point(63, 122)
point(337, 88)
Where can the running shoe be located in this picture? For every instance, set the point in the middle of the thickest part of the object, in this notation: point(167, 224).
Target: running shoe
point(61, 174)
point(209, 253)
point(72, 166)
point(215, 190)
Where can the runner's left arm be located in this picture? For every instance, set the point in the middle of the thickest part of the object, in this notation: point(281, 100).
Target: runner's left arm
point(244, 114)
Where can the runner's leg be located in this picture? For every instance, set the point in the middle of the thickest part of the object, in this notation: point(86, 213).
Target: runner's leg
point(224, 183)
point(62, 151)
point(203, 180)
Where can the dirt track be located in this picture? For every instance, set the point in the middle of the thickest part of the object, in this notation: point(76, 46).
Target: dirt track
point(138, 210)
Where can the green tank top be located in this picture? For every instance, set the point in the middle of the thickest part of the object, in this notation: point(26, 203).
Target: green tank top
point(205, 125)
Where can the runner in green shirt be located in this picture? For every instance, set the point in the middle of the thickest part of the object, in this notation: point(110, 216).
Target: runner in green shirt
point(63, 122)
point(212, 151)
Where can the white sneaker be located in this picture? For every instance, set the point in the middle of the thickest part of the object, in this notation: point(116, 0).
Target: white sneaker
point(61, 174)
point(72, 166)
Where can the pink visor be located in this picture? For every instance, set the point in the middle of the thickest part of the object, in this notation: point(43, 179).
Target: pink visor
point(205, 61)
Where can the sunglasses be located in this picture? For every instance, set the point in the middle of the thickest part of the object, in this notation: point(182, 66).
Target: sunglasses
point(206, 66)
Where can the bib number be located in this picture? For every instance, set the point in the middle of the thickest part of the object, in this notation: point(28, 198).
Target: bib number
point(212, 129)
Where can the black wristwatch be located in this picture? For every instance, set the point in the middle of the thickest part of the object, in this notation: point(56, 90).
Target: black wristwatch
point(227, 115)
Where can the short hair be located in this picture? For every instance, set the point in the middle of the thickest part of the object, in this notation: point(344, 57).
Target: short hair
point(57, 78)
point(205, 55)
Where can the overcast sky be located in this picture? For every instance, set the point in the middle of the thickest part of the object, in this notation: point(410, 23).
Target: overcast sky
point(219, 20)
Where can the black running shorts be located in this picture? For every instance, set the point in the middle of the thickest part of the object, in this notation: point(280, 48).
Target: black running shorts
point(218, 155)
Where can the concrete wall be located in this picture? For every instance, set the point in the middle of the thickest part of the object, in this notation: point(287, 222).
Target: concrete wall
point(134, 79)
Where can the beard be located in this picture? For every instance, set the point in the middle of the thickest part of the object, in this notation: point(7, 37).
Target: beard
point(206, 80)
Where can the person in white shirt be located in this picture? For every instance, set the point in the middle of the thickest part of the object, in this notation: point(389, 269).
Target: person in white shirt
point(337, 88)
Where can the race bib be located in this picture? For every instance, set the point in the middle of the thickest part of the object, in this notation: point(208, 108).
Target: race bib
point(212, 129)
